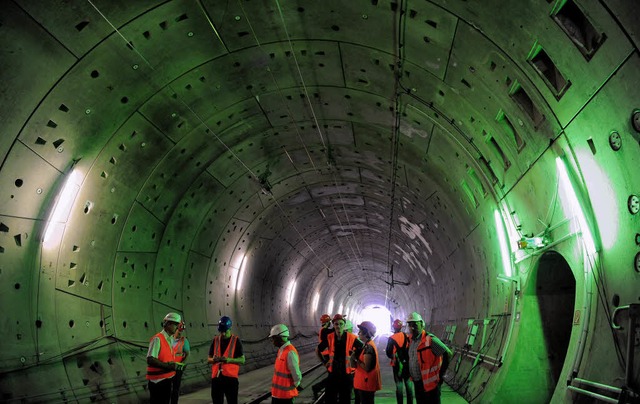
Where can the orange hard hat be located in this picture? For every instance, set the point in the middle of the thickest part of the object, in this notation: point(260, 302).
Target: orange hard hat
point(325, 318)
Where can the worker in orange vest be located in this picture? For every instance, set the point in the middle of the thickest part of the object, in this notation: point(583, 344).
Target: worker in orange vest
point(367, 379)
point(161, 362)
point(325, 329)
point(181, 349)
point(225, 357)
point(428, 361)
point(398, 351)
point(286, 373)
point(341, 345)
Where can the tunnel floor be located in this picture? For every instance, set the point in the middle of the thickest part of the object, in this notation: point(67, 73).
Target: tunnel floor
point(257, 382)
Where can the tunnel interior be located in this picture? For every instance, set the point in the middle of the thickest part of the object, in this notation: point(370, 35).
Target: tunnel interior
point(276, 160)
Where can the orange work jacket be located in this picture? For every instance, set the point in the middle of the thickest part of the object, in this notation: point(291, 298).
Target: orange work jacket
point(430, 364)
point(351, 338)
point(165, 355)
point(226, 369)
point(400, 338)
point(368, 381)
point(282, 385)
point(177, 350)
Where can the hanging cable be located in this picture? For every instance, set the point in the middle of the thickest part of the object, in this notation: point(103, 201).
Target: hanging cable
point(395, 135)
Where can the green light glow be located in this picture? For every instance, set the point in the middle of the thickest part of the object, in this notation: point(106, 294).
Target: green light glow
point(573, 208)
point(504, 247)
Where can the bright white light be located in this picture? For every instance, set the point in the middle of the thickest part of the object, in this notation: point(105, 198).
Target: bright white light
point(60, 215)
point(291, 292)
point(243, 265)
point(571, 205)
point(504, 247)
point(378, 315)
point(602, 197)
point(340, 309)
point(330, 306)
point(314, 303)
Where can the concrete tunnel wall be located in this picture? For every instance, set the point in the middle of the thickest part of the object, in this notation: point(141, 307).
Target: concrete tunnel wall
point(213, 153)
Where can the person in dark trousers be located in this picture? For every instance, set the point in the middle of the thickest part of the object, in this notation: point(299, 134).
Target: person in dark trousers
point(286, 370)
point(225, 357)
point(161, 362)
point(340, 345)
point(181, 349)
point(428, 361)
point(367, 379)
point(325, 329)
point(398, 351)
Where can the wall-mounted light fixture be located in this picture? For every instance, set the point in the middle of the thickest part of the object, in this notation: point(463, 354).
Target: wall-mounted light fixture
point(62, 208)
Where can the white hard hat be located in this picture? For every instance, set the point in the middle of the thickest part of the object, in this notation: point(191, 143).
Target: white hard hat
point(279, 330)
point(174, 317)
point(414, 317)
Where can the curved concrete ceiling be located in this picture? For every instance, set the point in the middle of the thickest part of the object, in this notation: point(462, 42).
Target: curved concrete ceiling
point(271, 161)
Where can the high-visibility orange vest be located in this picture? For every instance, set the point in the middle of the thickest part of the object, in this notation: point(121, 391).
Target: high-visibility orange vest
point(320, 339)
point(368, 381)
point(400, 338)
point(282, 385)
point(430, 364)
point(177, 350)
point(165, 355)
point(228, 369)
point(351, 338)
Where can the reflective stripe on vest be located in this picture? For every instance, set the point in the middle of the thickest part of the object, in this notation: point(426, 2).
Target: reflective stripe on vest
point(282, 385)
point(351, 338)
point(368, 381)
point(227, 369)
point(430, 364)
point(177, 350)
point(165, 355)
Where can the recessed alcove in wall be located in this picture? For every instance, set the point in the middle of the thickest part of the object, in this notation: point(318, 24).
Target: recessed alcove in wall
point(546, 321)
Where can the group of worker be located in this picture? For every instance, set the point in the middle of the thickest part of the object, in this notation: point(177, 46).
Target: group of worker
point(418, 358)
point(169, 349)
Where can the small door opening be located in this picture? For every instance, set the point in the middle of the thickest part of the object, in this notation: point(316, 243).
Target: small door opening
point(546, 321)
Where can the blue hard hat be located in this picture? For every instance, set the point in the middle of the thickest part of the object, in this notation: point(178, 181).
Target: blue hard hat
point(224, 324)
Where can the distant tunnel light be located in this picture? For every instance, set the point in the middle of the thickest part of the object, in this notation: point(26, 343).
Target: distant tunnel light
point(505, 252)
point(379, 315)
point(572, 206)
point(64, 201)
point(291, 292)
point(315, 301)
point(340, 309)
